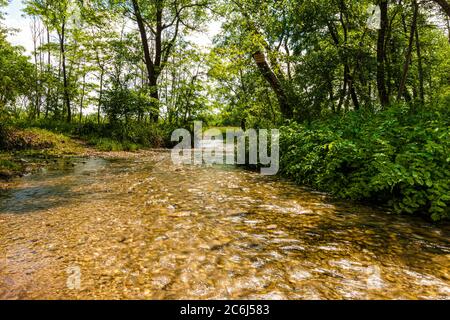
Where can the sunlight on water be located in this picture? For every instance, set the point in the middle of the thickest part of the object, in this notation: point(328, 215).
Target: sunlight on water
point(142, 228)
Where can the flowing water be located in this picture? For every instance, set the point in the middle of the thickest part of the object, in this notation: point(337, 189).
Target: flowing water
point(143, 228)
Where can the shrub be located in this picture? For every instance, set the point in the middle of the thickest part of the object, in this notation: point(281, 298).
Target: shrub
point(132, 134)
point(105, 144)
point(395, 157)
point(9, 165)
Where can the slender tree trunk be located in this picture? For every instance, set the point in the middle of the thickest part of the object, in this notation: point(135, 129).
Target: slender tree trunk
point(353, 94)
point(100, 96)
point(331, 95)
point(381, 55)
point(36, 71)
point(343, 91)
point(83, 92)
point(36, 36)
point(448, 28)
point(409, 51)
point(420, 68)
point(64, 71)
point(47, 100)
point(347, 74)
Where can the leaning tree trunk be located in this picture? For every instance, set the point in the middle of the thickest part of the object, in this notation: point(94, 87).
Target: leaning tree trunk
point(275, 84)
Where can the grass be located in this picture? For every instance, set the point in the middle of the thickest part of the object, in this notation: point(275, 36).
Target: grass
point(33, 144)
point(23, 148)
point(106, 144)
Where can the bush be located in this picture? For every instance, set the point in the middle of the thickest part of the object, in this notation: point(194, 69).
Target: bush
point(395, 157)
point(131, 136)
point(105, 144)
point(9, 165)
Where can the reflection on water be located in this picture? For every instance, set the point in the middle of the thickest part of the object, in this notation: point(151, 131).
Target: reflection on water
point(52, 188)
point(143, 228)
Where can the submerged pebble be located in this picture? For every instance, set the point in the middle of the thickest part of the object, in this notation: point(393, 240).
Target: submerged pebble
point(140, 227)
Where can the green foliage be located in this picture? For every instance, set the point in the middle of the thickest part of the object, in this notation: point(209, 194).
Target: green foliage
point(106, 144)
point(114, 136)
point(16, 73)
point(122, 104)
point(396, 156)
point(9, 165)
point(131, 135)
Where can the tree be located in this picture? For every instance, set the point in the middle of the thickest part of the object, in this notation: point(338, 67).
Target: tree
point(166, 22)
point(16, 74)
point(58, 16)
point(258, 24)
point(409, 50)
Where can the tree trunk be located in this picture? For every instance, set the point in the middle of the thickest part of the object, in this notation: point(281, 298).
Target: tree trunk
point(154, 94)
point(348, 79)
point(151, 72)
point(347, 74)
point(381, 55)
point(47, 100)
point(420, 68)
point(64, 70)
point(353, 94)
point(448, 28)
point(37, 107)
point(274, 83)
point(83, 92)
point(409, 51)
point(343, 91)
point(100, 96)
